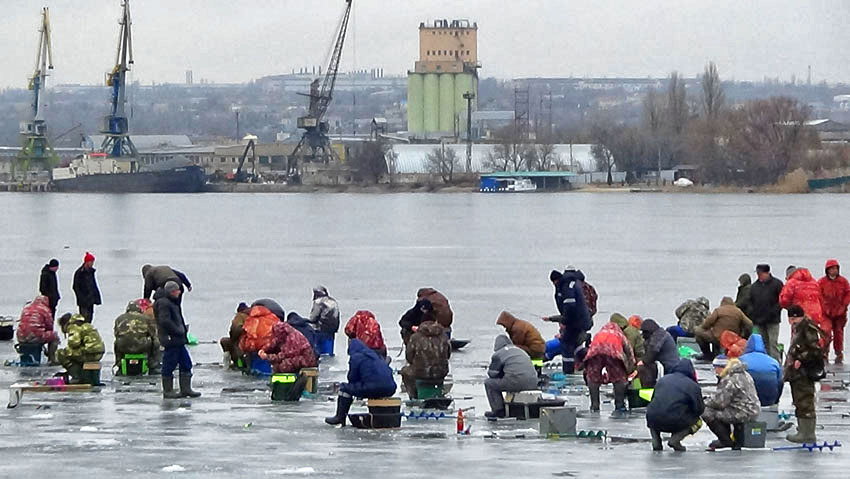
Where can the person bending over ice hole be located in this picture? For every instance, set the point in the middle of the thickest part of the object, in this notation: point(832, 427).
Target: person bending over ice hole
point(172, 336)
point(369, 377)
point(676, 407)
point(84, 345)
point(523, 335)
point(36, 327)
point(690, 314)
point(803, 367)
point(510, 371)
point(609, 360)
point(289, 352)
point(735, 402)
point(727, 317)
point(658, 347)
point(230, 343)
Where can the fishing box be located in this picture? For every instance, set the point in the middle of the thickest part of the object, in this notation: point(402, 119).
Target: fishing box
point(384, 406)
point(281, 384)
point(312, 375)
point(754, 434)
point(7, 329)
point(91, 373)
point(769, 415)
point(30, 353)
point(428, 389)
point(559, 421)
point(527, 404)
point(134, 364)
point(375, 421)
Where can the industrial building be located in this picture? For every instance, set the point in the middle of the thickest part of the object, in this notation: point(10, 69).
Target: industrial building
point(443, 79)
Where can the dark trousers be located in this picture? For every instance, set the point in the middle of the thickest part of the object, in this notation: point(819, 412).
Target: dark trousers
point(87, 312)
point(172, 358)
point(803, 395)
point(570, 341)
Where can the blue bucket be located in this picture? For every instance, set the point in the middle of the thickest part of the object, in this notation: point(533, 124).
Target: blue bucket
point(325, 344)
point(260, 366)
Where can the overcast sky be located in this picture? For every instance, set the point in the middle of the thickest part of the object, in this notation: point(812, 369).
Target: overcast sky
point(239, 40)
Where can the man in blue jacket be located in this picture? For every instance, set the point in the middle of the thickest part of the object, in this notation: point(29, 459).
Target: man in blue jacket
point(369, 376)
point(676, 406)
point(766, 371)
point(575, 316)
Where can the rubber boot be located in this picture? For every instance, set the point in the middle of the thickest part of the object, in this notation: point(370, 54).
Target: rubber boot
point(168, 391)
point(620, 411)
point(707, 355)
point(186, 387)
point(839, 358)
point(738, 440)
point(675, 441)
point(594, 397)
point(51, 353)
point(656, 440)
point(722, 431)
point(74, 374)
point(805, 431)
point(343, 404)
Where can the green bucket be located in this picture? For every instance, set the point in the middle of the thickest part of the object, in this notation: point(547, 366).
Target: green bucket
point(281, 384)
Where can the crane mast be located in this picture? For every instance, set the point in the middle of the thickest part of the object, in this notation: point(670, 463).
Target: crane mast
point(117, 142)
point(35, 146)
point(315, 128)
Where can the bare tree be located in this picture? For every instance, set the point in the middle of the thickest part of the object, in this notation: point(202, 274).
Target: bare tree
point(677, 104)
point(546, 155)
point(713, 97)
point(443, 161)
point(602, 151)
point(369, 161)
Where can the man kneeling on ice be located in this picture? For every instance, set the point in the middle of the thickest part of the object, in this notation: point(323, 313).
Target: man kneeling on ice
point(84, 345)
point(510, 371)
point(135, 333)
point(676, 406)
point(369, 377)
point(735, 402)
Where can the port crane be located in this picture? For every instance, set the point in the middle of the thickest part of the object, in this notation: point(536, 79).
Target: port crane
point(35, 146)
point(315, 136)
point(117, 142)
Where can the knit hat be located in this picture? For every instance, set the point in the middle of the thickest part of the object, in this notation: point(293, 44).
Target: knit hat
point(89, 258)
point(555, 275)
point(790, 270)
point(721, 361)
point(763, 268)
point(241, 307)
point(54, 263)
point(171, 287)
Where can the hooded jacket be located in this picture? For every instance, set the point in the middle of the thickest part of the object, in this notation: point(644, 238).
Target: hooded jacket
point(48, 286)
point(765, 371)
point(764, 302)
point(156, 276)
point(727, 317)
point(303, 326)
point(441, 310)
point(742, 299)
point(736, 399)
point(612, 343)
point(523, 335)
point(85, 287)
point(835, 293)
point(169, 320)
point(428, 352)
point(802, 290)
point(257, 329)
point(677, 402)
point(135, 332)
point(324, 316)
point(512, 365)
point(369, 375)
point(632, 334)
point(692, 313)
point(365, 327)
point(36, 324)
point(289, 351)
point(659, 346)
point(84, 343)
point(571, 303)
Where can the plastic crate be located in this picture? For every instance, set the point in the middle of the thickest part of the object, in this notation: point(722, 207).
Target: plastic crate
point(428, 390)
point(134, 364)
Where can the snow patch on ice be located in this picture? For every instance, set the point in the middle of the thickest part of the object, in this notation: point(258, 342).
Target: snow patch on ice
point(45, 415)
point(293, 471)
point(174, 468)
point(88, 429)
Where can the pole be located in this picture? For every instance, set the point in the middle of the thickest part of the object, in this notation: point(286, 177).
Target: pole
point(237, 126)
point(469, 96)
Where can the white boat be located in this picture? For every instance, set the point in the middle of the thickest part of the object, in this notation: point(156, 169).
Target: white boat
point(520, 185)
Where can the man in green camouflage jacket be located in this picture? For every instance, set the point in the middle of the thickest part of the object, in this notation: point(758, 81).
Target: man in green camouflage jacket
point(84, 344)
point(136, 333)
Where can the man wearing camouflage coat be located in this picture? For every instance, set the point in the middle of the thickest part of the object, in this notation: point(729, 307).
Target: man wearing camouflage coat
point(691, 314)
point(84, 345)
point(735, 402)
point(135, 333)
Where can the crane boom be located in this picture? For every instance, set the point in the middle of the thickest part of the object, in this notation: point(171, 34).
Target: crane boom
point(327, 90)
point(117, 142)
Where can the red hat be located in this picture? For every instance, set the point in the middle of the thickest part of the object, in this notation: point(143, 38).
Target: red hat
point(89, 258)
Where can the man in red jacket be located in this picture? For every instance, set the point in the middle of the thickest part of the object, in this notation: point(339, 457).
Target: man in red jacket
point(835, 290)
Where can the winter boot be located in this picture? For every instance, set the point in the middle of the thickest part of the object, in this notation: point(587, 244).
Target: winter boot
point(707, 355)
point(656, 440)
point(738, 440)
point(168, 391)
point(343, 404)
point(620, 411)
point(722, 431)
point(186, 387)
point(594, 397)
point(839, 358)
point(805, 431)
point(675, 441)
point(51, 354)
point(74, 373)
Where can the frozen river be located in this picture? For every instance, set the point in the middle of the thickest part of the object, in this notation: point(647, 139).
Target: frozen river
point(645, 254)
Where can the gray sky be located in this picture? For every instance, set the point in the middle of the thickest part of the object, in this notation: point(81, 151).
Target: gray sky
point(238, 40)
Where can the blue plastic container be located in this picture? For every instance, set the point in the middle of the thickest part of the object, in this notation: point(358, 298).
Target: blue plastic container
point(260, 367)
point(30, 353)
point(325, 344)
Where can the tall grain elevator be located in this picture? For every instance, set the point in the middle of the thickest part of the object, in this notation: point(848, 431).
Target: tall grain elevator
point(446, 70)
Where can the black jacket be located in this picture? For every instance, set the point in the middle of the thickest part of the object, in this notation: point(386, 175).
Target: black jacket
point(677, 401)
point(764, 302)
point(169, 319)
point(85, 287)
point(658, 346)
point(303, 326)
point(48, 286)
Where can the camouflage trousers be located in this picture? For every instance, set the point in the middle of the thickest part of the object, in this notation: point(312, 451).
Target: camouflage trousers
point(69, 360)
point(803, 394)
